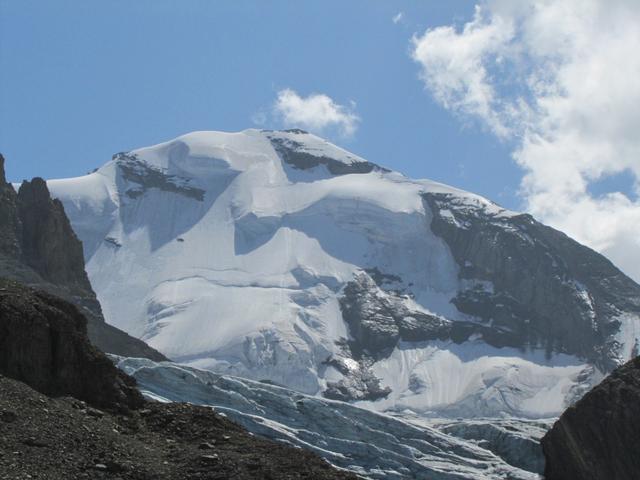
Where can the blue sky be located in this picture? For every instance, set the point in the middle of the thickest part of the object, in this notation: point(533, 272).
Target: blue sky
point(84, 79)
point(531, 104)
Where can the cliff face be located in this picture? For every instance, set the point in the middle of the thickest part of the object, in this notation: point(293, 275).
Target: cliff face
point(9, 224)
point(38, 247)
point(48, 242)
point(44, 343)
point(546, 289)
point(598, 438)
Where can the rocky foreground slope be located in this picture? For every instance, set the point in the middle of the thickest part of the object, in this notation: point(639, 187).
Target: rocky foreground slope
point(38, 247)
point(598, 438)
point(108, 430)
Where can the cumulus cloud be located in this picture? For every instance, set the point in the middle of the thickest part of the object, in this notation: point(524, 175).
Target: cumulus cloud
point(559, 79)
point(318, 113)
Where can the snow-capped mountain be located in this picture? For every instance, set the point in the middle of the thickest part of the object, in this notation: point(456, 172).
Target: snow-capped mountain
point(278, 256)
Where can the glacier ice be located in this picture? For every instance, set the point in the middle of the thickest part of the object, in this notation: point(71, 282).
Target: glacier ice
point(371, 444)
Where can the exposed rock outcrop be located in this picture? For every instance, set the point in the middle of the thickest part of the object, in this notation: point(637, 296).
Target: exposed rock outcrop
point(532, 285)
point(39, 248)
point(378, 319)
point(44, 343)
point(48, 242)
point(598, 438)
point(9, 223)
point(146, 176)
point(292, 154)
point(359, 382)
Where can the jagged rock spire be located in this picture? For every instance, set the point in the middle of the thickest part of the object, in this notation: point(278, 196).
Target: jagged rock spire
point(3, 178)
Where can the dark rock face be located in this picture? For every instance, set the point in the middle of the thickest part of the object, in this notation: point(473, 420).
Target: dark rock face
point(291, 153)
point(598, 438)
point(546, 289)
point(49, 245)
point(370, 318)
point(113, 340)
point(8, 219)
point(359, 382)
point(39, 248)
point(44, 343)
point(378, 320)
point(147, 176)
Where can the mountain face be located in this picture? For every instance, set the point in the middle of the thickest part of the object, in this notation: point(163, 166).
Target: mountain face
point(278, 256)
point(38, 247)
point(598, 437)
point(539, 275)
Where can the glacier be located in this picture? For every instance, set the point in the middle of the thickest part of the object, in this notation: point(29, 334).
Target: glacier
point(374, 445)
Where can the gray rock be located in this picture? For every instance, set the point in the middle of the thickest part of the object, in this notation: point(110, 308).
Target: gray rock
point(146, 176)
point(291, 153)
point(547, 290)
point(379, 319)
point(598, 438)
point(43, 343)
point(358, 384)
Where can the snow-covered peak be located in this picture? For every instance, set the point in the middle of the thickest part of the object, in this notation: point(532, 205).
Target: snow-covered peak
point(275, 157)
point(205, 153)
point(306, 142)
point(279, 256)
point(199, 154)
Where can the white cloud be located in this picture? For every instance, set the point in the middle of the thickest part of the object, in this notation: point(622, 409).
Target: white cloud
point(397, 17)
point(259, 118)
point(562, 80)
point(317, 112)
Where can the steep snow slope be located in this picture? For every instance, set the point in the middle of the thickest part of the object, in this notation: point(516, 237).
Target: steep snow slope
point(371, 444)
point(278, 256)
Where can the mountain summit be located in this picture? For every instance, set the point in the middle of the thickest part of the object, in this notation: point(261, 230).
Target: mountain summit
point(278, 256)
